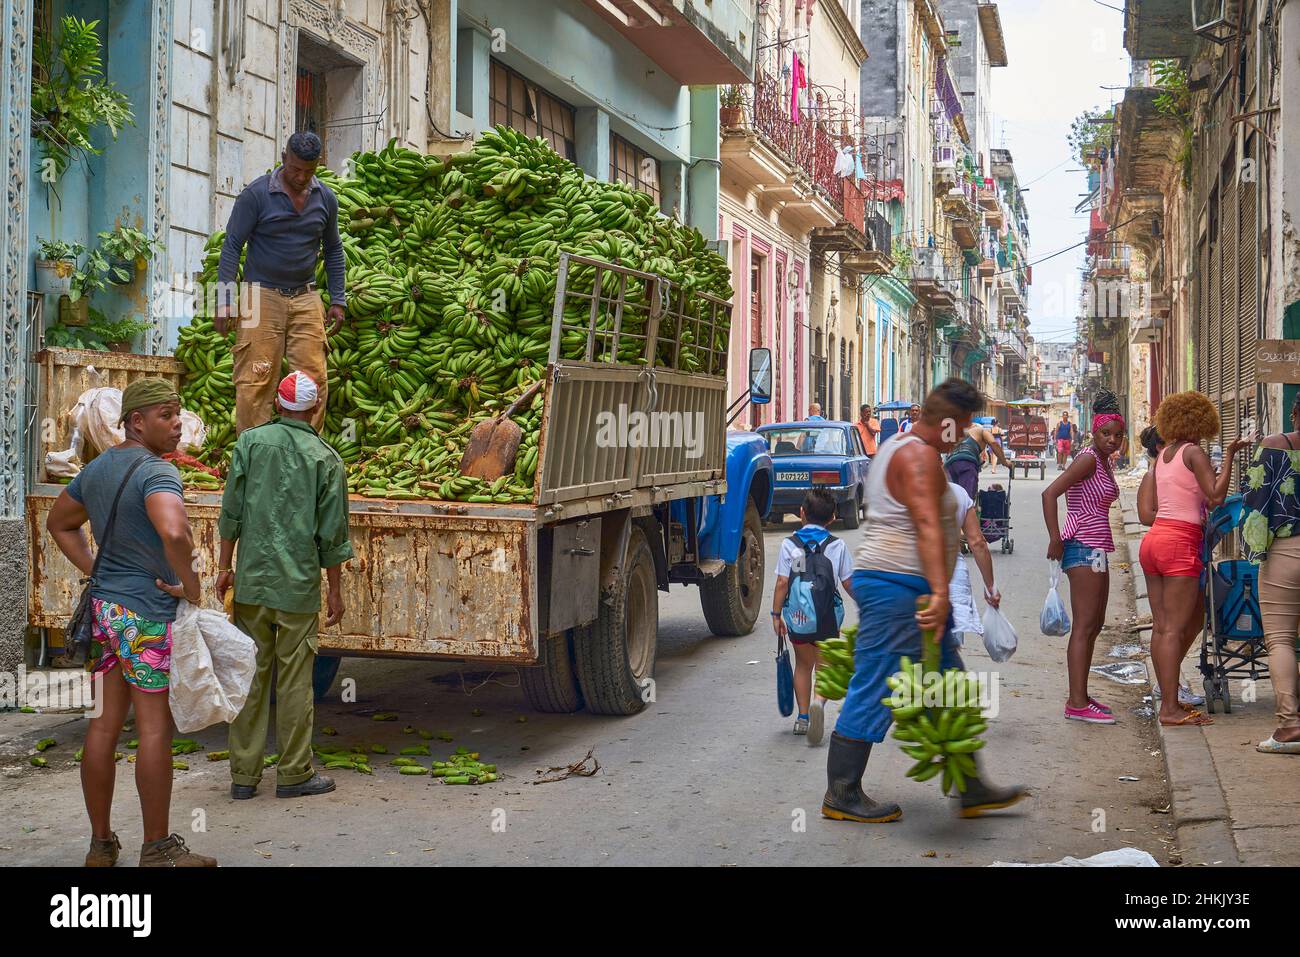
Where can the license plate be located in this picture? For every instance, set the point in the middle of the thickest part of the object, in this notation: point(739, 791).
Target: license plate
point(794, 476)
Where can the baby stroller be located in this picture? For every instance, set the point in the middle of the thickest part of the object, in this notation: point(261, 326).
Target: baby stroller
point(995, 516)
point(1232, 644)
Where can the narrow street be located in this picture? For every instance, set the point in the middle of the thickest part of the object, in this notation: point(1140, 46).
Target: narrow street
point(709, 774)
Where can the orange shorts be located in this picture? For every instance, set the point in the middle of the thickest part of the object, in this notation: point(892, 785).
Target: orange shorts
point(1172, 549)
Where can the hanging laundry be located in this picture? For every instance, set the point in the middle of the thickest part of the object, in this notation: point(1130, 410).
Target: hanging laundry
point(858, 171)
point(798, 81)
point(844, 161)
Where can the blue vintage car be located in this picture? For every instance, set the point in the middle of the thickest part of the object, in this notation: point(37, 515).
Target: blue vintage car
point(817, 453)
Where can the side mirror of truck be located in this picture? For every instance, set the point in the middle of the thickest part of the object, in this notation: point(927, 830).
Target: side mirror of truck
point(760, 376)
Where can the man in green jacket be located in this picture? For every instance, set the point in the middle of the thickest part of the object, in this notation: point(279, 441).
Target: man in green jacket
point(286, 503)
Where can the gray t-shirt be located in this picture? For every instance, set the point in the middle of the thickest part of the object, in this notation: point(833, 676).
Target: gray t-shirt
point(135, 555)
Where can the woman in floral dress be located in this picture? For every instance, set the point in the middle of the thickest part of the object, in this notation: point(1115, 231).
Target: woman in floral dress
point(1272, 537)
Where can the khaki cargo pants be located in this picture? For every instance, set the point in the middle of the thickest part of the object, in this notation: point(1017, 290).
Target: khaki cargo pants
point(279, 327)
point(286, 644)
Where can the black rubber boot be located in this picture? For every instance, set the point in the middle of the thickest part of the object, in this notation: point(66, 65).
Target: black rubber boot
point(316, 784)
point(242, 792)
point(980, 796)
point(846, 762)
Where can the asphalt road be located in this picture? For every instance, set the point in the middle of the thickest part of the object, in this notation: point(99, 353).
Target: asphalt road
point(708, 774)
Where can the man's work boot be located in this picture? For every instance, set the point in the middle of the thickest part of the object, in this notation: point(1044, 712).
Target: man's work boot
point(103, 851)
point(316, 784)
point(172, 852)
point(242, 792)
point(980, 797)
point(846, 762)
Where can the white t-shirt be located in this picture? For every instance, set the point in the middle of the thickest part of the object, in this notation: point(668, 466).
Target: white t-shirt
point(835, 552)
point(964, 503)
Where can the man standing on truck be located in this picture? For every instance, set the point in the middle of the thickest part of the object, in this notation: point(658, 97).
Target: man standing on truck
point(284, 217)
point(908, 553)
point(286, 503)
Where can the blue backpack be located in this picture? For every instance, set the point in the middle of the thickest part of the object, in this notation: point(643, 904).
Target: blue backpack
point(813, 610)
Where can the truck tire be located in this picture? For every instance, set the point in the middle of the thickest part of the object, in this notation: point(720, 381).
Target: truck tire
point(733, 599)
point(323, 672)
point(851, 512)
point(615, 655)
point(551, 685)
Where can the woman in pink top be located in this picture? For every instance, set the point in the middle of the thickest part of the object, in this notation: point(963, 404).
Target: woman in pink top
point(1183, 488)
point(1089, 489)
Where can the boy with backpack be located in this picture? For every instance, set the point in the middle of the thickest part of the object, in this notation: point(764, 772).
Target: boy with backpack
point(806, 605)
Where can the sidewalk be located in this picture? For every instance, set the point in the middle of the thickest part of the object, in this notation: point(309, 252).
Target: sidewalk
point(1231, 804)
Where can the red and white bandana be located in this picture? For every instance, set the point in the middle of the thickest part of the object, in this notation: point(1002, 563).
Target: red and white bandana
point(297, 392)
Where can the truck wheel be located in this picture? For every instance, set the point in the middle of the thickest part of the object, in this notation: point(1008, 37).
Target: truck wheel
point(551, 685)
point(323, 672)
point(851, 512)
point(615, 656)
point(732, 600)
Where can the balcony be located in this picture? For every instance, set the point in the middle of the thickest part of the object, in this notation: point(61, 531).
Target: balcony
point(791, 162)
point(1011, 344)
point(695, 48)
point(1145, 330)
point(959, 205)
point(877, 258)
point(1154, 29)
point(931, 280)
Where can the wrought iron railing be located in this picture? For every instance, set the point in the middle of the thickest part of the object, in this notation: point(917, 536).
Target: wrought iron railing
point(805, 143)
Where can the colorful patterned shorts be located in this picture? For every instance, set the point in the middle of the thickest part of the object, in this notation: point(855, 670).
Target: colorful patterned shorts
point(143, 647)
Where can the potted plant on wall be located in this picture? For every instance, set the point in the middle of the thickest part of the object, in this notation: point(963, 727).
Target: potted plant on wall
point(127, 251)
point(56, 261)
point(731, 105)
point(71, 96)
point(87, 280)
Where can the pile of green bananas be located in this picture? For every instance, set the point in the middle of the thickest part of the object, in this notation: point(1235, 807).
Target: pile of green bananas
point(942, 738)
point(836, 667)
point(451, 271)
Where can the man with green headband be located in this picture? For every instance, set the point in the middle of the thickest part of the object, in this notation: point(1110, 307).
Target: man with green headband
point(145, 568)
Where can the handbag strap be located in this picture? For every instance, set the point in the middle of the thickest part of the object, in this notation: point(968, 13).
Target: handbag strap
point(112, 512)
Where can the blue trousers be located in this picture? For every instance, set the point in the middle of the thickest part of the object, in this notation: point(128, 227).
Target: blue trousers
point(887, 631)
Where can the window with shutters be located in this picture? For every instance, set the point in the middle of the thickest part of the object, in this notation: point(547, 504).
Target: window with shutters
point(634, 167)
point(523, 105)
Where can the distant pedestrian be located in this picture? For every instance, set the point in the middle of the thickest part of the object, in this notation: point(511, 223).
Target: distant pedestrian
point(963, 463)
point(907, 553)
point(146, 566)
point(990, 458)
point(1066, 432)
point(1184, 486)
point(868, 427)
point(288, 219)
point(818, 512)
point(815, 412)
point(286, 504)
point(1272, 518)
point(913, 416)
point(1083, 548)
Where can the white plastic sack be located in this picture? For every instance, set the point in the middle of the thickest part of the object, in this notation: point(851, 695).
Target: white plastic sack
point(96, 416)
point(1123, 857)
point(999, 636)
point(211, 669)
point(1054, 619)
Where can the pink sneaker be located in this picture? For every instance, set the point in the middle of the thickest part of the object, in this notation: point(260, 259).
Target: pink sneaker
point(1099, 705)
point(1091, 714)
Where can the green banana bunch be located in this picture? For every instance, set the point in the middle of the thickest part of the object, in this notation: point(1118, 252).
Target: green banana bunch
point(941, 739)
point(835, 669)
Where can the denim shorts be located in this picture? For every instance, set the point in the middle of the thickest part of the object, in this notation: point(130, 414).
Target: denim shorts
point(1077, 554)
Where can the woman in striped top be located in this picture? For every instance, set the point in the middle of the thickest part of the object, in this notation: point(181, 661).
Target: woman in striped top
point(1089, 488)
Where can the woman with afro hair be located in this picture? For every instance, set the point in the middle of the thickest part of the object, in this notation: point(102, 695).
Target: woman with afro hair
point(1184, 486)
point(1089, 487)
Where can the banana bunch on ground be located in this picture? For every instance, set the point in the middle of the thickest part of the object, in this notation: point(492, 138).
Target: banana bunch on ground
point(836, 667)
point(938, 718)
point(451, 270)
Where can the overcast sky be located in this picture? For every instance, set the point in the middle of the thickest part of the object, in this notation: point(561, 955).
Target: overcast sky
point(1061, 54)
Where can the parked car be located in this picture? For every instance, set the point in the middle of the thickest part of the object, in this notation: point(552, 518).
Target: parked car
point(817, 453)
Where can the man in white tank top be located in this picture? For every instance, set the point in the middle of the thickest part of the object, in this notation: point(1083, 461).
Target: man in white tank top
point(907, 553)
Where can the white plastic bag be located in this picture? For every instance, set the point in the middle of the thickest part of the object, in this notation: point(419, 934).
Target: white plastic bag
point(999, 636)
point(211, 669)
point(1054, 619)
point(96, 416)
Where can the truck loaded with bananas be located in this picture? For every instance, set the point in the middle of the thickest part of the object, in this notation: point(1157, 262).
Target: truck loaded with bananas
point(471, 278)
